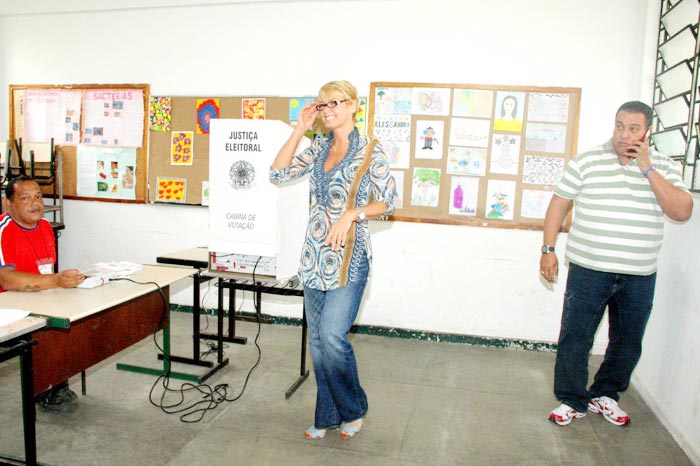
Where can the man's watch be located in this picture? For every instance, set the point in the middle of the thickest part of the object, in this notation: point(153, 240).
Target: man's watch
point(361, 216)
point(546, 249)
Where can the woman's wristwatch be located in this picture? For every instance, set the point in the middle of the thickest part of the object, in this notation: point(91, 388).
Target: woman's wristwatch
point(361, 215)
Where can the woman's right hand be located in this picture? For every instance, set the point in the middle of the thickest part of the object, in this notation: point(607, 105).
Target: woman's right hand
point(307, 115)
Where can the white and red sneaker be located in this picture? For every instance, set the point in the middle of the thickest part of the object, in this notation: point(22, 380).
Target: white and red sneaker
point(564, 414)
point(609, 409)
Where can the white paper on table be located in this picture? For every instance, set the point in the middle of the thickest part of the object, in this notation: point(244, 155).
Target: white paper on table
point(8, 316)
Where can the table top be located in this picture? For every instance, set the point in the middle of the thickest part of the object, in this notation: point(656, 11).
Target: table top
point(21, 327)
point(193, 257)
point(71, 304)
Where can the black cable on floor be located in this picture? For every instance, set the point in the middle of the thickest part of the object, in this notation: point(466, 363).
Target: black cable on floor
point(212, 397)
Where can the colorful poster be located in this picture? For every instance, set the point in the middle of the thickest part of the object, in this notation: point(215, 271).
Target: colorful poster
point(534, 203)
point(429, 133)
point(545, 137)
point(205, 193)
point(542, 170)
point(550, 108)
point(509, 111)
point(182, 148)
point(52, 114)
point(398, 178)
point(295, 106)
point(171, 189)
point(505, 154)
point(106, 172)
point(392, 101)
point(464, 195)
point(431, 101)
point(207, 110)
point(500, 197)
point(361, 116)
point(472, 103)
point(159, 116)
point(426, 187)
point(253, 109)
point(469, 132)
point(466, 161)
point(113, 117)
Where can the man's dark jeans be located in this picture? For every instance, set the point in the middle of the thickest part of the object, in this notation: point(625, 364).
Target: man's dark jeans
point(629, 299)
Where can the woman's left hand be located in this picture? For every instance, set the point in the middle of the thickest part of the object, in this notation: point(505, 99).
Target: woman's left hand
point(339, 230)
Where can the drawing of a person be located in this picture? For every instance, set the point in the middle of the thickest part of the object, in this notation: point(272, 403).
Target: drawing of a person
point(428, 138)
point(508, 120)
point(128, 178)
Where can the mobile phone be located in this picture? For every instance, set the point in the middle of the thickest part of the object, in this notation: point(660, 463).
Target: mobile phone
point(644, 138)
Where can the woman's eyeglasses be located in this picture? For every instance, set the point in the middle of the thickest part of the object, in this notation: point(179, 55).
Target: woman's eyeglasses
point(330, 104)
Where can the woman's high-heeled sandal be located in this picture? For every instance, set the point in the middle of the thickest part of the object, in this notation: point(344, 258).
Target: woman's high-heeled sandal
point(312, 433)
point(349, 429)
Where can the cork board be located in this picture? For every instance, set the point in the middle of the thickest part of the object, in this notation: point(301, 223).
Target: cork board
point(69, 152)
point(481, 155)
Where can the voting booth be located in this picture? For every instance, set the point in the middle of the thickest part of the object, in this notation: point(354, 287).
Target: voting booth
point(255, 227)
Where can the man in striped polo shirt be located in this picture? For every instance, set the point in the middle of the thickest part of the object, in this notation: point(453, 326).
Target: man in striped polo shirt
point(621, 192)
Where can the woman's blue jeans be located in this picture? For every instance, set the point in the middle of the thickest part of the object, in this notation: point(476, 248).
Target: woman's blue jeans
point(330, 314)
point(629, 300)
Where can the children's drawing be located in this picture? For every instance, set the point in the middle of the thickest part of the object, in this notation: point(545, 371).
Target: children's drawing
point(398, 178)
point(472, 103)
point(182, 148)
point(171, 189)
point(550, 108)
point(469, 132)
point(466, 161)
point(253, 109)
point(361, 116)
point(500, 196)
point(509, 111)
point(392, 101)
point(545, 137)
point(464, 195)
point(429, 134)
point(399, 153)
point(542, 170)
point(534, 203)
point(431, 101)
point(207, 110)
point(295, 106)
point(392, 128)
point(159, 113)
point(505, 154)
point(426, 187)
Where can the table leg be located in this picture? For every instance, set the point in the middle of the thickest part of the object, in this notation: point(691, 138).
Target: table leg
point(303, 372)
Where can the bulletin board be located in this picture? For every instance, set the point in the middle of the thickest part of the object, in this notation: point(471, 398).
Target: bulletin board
point(481, 155)
point(79, 102)
point(179, 138)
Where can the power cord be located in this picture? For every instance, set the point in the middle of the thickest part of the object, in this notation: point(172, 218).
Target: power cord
point(212, 397)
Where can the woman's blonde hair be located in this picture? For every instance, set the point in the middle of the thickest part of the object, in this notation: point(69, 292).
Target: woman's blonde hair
point(347, 90)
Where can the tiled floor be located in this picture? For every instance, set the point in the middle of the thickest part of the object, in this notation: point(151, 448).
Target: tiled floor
point(430, 404)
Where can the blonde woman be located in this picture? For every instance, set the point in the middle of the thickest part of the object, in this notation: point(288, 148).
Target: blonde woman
point(350, 183)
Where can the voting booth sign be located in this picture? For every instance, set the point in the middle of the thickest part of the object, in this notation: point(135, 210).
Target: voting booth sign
point(255, 227)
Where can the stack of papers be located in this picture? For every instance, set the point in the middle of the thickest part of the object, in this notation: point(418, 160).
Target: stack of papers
point(8, 316)
point(114, 270)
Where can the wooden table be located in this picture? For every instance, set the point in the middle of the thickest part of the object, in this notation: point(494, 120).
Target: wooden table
point(15, 340)
point(86, 326)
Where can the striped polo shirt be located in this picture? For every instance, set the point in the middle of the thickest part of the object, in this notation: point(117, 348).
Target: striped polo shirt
point(617, 224)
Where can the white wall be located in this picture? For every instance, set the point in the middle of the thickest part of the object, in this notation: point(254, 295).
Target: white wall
point(668, 375)
point(455, 279)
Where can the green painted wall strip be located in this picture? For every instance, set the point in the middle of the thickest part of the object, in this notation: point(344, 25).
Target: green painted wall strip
point(399, 332)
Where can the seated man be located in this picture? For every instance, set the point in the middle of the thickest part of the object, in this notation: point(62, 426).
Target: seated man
point(27, 258)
